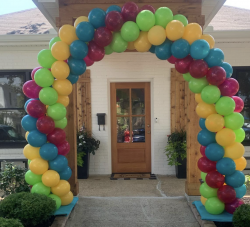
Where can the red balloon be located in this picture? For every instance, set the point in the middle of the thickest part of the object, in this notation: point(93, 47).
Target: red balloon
point(31, 89)
point(182, 65)
point(172, 59)
point(239, 104)
point(114, 21)
point(36, 109)
point(216, 75)
point(56, 136)
point(34, 71)
point(198, 69)
point(202, 150)
point(130, 11)
point(231, 207)
point(102, 37)
point(147, 7)
point(215, 180)
point(96, 53)
point(63, 148)
point(45, 124)
point(229, 87)
point(205, 165)
point(226, 194)
point(88, 61)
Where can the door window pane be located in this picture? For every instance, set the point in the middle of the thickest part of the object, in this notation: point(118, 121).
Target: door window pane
point(138, 124)
point(123, 130)
point(122, 101)
point(138, 105)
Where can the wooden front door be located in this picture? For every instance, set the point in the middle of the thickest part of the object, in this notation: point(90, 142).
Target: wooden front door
point(130, 127)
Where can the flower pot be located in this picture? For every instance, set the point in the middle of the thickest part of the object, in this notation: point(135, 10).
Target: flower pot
point(83, 171)
point(181, 170)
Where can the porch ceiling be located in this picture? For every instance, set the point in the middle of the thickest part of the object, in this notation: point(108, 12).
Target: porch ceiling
point(50, 8)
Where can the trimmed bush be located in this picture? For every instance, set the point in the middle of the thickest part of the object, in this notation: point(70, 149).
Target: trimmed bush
point(30, 209)
point(241, 216)
point(10, 222)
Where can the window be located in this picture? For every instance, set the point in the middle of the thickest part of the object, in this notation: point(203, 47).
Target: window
point(12, 102)
point(242, 74)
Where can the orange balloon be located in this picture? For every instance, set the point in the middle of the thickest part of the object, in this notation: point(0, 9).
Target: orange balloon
point(174, 30)
point(192, 32)
point(225, 137)
point(63, 87)
point(209, 39)
point(67, 199)
point(80, 19)
point(60, 70)
point(234, 151)
point(204, 110)
point(60, 50)
point(131, 46)
point(67, 34)
point(31, 152)
point(203, 200)
point(39, 166)
point(214, 122)
point(240, 163)
point(157, 35)
point(63, 100)
point(198, 98)
point(142, 44)
point(61, 189)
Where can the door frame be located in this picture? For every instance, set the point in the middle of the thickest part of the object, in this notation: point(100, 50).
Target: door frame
point(129, 80)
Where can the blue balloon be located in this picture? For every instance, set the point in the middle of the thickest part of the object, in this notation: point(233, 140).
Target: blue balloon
point(72, 78)
point(152, 49)
point(29, 123)
point(97, 17)
point(36, 138)
point(77, 66)
point(214, 58)
point(59, 163)
point(48, 151)
point(214, 152)
point(113, 8)
point(85, 31)
point(202, 123)
point(163, 51)
point(78, 49)
point(228, 68)
point(236, 180)
point(240, 191)
point(65, 174)
point(226, 166)
point(206, 137)
point(199, 49)
point(180, 48)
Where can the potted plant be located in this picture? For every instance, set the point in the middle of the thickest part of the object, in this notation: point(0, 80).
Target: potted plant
point(86, 144)
point(176, 152)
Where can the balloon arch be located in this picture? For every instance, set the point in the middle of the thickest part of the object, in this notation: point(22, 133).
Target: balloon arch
point(170, 37)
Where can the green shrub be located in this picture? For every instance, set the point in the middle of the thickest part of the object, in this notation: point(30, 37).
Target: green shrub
point(10, 223)
point(241, 216)
point(30, 209)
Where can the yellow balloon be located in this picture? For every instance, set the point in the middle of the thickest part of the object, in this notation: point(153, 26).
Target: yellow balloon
point(234, 151)
point(204, 110)
point(131, 46)
point(60, 50)
point(225, 137)
point(26, 135)
point(60, 70)
point(215, 122)
point(157, 35)
point(240, 163)
point(174, 30)
point(39, 166)
point(63, 100)
point(142, 44)
point(198, 98)
point(80, 19)
point(192, 32)
point(31, 152)
point(63, 87)
point(203, 200)
point(61, 189)
point(67, 34)
point(51, 178)
point(67, 199)
point(209, 39)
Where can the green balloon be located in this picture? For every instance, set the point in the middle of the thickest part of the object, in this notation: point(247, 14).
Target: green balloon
point(196, 85)
point(118, 44)
point(207, 191)
point(163, 16)
point(108, 50)
point(130, 31)
point(234, 121)
point(48, 96)
point(240, 135)
point(32, 178)
point(181, 18)
point(57, 200)
point(225, 106)
point(187, 77)
point(203, 176)
point(57, 111)
point(40, 188)
point(29, 162)
point(44, 78)
point(210, 94)
point(53, 40)
point(145, 20)
point(61, 123)
point(45, 58)
point(214, 206)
